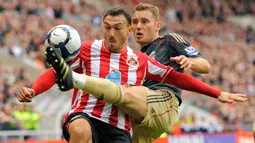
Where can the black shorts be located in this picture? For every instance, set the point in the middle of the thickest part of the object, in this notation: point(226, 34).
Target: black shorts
point(101, 131)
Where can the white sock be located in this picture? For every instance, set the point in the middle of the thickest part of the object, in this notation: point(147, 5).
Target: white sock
point(100, 88)
point(79, 80)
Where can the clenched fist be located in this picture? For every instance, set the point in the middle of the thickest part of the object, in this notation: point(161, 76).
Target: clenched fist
point(26, 94)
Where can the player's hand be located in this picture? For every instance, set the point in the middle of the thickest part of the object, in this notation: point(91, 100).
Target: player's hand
point(185, 62)
point(226, 97)
point(26, 94)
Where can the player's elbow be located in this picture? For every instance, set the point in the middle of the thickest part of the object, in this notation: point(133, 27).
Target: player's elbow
point(202, 68)
point(200, 65)
point(206, 68)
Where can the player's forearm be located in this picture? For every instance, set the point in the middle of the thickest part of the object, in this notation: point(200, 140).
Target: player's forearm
point(44, 82)
point(190, 83)
point(200, 65)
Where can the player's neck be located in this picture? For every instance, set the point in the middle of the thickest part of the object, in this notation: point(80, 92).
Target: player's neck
point(120, 50)
point(153, 39)
point(117, 51)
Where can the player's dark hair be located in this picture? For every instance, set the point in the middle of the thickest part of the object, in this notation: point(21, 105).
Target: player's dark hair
point(119, 11)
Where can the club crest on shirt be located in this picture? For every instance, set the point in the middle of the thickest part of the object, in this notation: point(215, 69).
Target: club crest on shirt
point(152, 54)
point(132, 61)
point(114, 76)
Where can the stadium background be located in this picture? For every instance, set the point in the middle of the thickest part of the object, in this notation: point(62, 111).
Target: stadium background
point(223, 31)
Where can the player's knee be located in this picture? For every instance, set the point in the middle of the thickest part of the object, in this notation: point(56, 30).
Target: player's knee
point(80, 131)
point(128, 95)
point(80, 128)
point(134, 93)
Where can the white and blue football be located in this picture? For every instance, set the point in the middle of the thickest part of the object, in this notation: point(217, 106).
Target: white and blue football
point(65, 39)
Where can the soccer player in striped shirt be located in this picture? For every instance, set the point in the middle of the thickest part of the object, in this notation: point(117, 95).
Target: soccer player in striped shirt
point(152, 116)
point(112, 59)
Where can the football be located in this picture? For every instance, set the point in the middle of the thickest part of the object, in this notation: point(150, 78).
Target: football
point(65, 39)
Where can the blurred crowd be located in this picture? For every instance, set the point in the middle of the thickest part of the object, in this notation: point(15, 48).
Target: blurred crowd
point(24, 24)
point(13, 115)
point(230, 49)
point(192, 124)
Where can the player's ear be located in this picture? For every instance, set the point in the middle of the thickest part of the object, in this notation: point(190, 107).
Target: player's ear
point(158, 25)
point(130, 29)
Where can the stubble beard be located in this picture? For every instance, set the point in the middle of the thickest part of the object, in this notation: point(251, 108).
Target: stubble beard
point(112, 48)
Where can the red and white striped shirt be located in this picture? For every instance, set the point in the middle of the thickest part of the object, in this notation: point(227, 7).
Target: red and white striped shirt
point(121, 68)
point(127, 67)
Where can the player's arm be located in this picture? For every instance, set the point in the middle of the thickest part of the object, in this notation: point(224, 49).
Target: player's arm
point(196, 64)
point(43, 83)
point(190, 83)
point(189, 57)
point(199, 65)
point(158, 72)
point(48, 79)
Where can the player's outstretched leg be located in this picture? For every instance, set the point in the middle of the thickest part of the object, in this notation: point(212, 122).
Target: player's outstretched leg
point(66, 79)
point(132, 99)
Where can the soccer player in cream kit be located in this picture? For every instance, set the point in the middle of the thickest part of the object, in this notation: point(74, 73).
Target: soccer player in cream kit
point(90, 116)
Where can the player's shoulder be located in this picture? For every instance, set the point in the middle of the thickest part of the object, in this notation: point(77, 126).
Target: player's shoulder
point(175, 38)
point(139, 54)
point(87, 43)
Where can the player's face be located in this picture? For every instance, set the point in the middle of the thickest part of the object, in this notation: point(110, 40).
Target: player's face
point(116, 32)
point(145, 27)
